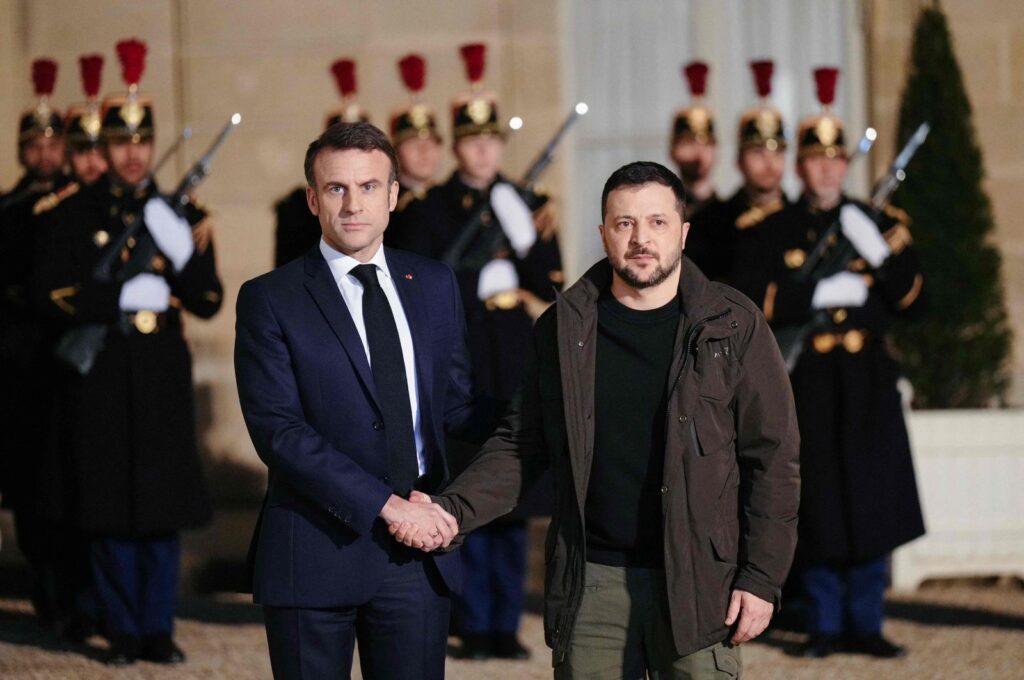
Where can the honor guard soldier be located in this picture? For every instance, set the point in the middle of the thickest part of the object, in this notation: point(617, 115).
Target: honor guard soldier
point(83, 125)
point(693, 142)
point(859, 498)
point(711, 243)
point(297, 228)
point(130, 418)
point(415, 136)
point(508, 272)
point(24, 355)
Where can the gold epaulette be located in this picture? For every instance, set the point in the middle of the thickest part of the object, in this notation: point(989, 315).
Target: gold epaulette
point(898, 237)
point(52, 200)
point(410, 196)
point(758, 213)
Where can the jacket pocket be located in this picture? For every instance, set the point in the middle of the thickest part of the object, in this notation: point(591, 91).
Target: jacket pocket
point(712, 428)
point(725, 542)
point(715, 369)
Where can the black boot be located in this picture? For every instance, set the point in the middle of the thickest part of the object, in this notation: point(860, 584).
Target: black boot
point(875, 645)
point(818, 646)
point(161, 649)
point(476, 647)
point(507, 646)
point(124, 650)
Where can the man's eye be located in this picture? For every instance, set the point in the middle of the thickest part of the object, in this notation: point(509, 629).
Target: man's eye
point(336, 190)
point(369, 187)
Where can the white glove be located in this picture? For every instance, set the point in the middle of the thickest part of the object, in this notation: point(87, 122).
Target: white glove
point(515, 217)
point(497, 276)
point(844, 289)
point(864, 235)
point(145, 291)
point(172, 233)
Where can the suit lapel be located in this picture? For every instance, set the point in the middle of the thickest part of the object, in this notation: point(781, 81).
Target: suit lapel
point(322, 286)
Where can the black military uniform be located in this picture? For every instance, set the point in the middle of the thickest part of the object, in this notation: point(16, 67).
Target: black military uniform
point(714, 230)
point(414, 120)
point(859, 498)
point(695, 123)
point(130, 420)
point(498, 330)
point(27, 387)
point(297, 229)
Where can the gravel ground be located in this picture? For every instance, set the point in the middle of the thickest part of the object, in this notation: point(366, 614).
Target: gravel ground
point(958, 630)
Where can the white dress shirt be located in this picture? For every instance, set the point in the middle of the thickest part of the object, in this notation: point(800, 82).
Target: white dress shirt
point(352, 293)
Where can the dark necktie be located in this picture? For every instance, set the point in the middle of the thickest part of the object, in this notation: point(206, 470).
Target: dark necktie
point(388, 366)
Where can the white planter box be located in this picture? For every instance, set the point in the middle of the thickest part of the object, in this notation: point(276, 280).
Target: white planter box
point(970, 471)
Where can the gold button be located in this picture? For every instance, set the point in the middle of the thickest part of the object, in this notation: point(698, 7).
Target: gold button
point(795, 258)
point(145, 321)
point(824, 343)
point(853, 341)
point(131, 240)
point(129, 218)
point(101, 238)
point(839, 315)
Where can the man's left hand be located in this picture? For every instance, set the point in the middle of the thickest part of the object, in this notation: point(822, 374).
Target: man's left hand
point(753, 614)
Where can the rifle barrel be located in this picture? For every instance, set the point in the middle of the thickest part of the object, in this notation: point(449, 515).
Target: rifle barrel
point(186, 134)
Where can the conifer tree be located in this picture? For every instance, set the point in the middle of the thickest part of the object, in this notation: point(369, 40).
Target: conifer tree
point(956, 355)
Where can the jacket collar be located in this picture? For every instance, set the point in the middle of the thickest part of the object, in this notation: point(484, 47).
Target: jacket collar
point(699, 298)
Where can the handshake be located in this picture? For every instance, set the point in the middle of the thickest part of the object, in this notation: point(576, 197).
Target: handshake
point(418, 522)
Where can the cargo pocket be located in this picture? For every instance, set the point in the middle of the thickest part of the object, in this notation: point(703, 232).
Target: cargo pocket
point(728, 662)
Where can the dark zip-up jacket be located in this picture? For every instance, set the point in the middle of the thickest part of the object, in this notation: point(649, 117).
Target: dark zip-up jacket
point(731, 484)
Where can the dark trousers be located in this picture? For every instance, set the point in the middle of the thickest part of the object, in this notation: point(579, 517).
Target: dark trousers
point(493, 579)
point(136, 584)
point(402, 631)
point(845, 599)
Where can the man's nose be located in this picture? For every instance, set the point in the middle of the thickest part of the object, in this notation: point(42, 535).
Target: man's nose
point(351, 203)
point(640, 234)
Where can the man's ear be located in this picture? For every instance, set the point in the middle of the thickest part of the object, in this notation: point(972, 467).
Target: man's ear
point(393, 196)
point(311, 201)
point(686, 230)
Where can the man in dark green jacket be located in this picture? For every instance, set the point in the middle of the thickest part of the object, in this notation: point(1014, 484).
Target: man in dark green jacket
point(661, 404)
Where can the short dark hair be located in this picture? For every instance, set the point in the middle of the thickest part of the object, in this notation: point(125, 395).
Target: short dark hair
point(638, 173)
point(342, 136)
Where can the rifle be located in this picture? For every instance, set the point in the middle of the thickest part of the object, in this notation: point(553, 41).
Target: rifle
point(475, 245)
point(80, 346)
point(792, 338)
point(186, 134)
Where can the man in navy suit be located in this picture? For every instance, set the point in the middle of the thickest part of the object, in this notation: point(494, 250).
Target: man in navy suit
point(351, 366)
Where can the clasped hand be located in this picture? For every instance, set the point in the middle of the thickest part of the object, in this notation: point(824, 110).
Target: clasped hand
point(418, 522)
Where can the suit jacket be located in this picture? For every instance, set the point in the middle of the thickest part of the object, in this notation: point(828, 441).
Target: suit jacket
point(309, 401)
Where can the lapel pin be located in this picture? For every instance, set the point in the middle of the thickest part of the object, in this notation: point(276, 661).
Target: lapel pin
point(408, 277)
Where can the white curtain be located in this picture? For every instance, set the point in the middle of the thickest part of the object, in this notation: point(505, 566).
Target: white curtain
point(624, 58)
